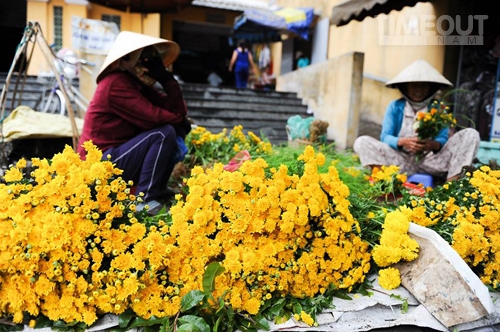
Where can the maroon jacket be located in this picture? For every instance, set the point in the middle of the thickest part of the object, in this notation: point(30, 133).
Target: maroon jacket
point(122, 107)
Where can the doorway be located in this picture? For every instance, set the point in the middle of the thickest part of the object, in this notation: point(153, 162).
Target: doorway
point(12, 24)
point(204, 48)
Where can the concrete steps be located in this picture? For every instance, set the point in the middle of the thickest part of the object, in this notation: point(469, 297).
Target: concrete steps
point(26, 94)
point(262, 112)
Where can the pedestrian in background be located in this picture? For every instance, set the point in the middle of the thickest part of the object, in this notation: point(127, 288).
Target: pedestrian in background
point(242, 61)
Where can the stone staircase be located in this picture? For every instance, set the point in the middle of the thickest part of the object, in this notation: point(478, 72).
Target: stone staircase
point(265, 113)
point(215, 108)
point(26, 94)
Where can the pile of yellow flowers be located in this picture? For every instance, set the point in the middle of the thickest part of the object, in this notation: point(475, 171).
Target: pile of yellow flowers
point(466, 214)
point(73, 248)
point(275, 233)
point(64, 229)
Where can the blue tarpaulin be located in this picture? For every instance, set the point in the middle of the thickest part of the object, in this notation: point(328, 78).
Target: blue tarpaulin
point(262, 23)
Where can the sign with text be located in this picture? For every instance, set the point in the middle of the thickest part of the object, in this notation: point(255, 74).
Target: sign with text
point(93, 36)
point(432, 30)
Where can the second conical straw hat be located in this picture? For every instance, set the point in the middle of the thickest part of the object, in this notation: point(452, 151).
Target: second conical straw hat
point(418, 71)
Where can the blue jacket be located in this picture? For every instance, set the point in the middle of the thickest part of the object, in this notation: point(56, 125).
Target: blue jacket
point(393, 120)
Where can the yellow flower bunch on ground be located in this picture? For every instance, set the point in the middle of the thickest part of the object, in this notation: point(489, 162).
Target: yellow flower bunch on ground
point(395, 245)
point(387, 174)
point(72, 246)
point(207, 148)
point(388, 180)
point(275, 233)
point(389, 278)
point(50, 221)
point(466, 214)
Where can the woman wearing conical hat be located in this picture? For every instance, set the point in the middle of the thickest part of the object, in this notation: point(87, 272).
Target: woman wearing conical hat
point(399, 145)
point(140, 127)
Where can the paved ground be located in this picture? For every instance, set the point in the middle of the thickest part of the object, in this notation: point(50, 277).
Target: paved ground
point(369, 128)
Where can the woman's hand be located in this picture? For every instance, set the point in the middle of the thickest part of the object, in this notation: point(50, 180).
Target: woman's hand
point(141, 73)
point(415, 145)
point(431, 145)
point(156, 69)
point(411, 144)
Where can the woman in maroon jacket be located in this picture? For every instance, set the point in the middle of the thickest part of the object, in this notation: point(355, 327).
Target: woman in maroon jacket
point(140, 126)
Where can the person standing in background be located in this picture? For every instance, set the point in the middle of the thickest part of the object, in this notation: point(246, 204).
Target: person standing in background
point(241, 60)
point(302, 60)
point(264, 58)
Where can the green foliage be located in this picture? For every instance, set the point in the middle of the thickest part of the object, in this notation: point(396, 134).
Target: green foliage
point(9, 327)
point(213, 270)
point(404, 302)
point(197, 314)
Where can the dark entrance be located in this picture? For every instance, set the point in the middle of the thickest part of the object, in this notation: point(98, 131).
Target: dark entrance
point(12, 24)
point(204, 48)
point(473, 68)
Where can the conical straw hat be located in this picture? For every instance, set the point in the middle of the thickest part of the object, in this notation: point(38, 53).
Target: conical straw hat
point(127, 42)
point(418, 71)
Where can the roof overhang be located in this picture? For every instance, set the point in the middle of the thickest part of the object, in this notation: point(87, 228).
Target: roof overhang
point(358, 10)
point(235, 5)
point(268, 25)
point(144, 6)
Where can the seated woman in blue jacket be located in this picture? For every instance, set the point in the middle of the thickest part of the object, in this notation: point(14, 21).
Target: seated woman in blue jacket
point(444, 156)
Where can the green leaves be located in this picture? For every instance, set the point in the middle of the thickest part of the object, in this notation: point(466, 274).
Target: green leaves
point(277, 308)
point(212, 271)
point(192, 299)
point(190, 323)
point(74, 326)
point(125, 318)
point(8, 327)
point(129, 320)
point(140, 322)
point(404, 304)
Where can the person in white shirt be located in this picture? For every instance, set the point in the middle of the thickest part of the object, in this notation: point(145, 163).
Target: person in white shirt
point(213, 79)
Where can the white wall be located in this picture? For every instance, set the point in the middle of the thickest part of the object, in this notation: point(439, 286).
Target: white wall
point(320, 41)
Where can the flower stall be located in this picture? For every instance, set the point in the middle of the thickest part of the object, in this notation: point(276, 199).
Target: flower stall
point(283, 238)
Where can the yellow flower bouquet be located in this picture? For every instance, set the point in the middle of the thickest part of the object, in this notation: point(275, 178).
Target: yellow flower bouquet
point(387, 181)
point(428, 124)
point(465, 213)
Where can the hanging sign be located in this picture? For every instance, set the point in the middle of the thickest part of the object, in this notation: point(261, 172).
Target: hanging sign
point(93, 36)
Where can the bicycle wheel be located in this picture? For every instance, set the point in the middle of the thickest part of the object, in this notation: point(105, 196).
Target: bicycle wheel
point(51, 102)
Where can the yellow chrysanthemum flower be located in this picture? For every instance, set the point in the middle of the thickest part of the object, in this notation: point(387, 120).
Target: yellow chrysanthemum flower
point(389, 278)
